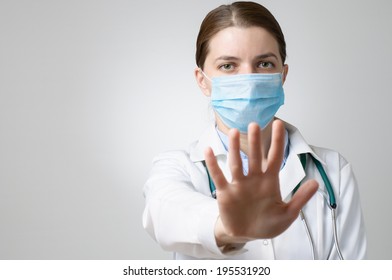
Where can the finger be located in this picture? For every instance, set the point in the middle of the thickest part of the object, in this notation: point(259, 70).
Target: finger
point(254, 142)
point(215, 172)
point(302, 196)
point(235, 161)
point(276, 151)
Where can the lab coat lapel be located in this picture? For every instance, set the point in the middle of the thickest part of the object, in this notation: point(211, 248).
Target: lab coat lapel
point(291, 174)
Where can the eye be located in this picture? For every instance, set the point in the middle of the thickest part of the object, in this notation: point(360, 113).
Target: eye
point(226, 67)
point(266, 65)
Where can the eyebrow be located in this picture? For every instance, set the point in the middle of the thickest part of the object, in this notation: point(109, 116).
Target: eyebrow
point(226, 57)
point(270, 54)
point(261, 56)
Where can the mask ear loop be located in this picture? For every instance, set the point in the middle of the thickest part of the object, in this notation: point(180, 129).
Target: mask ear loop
point(205, 75)
point(282, 76)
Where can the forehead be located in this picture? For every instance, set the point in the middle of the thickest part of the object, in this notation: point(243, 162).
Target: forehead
point(242, 42)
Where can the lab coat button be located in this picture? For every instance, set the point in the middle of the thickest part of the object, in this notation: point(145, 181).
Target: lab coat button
point(265, 242)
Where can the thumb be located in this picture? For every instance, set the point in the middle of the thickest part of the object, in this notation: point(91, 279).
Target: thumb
point(302, 196)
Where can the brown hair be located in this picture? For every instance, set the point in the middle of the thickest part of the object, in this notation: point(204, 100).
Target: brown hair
point(241, 14)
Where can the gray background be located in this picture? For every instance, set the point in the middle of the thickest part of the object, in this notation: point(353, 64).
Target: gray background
point(91, 91)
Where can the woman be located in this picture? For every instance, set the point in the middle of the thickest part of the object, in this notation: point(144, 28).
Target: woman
point(271, 199)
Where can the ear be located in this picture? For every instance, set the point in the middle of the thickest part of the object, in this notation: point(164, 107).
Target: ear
point(285, 72)
point(202, 82)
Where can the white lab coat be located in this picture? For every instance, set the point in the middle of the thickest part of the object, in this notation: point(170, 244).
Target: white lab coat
point(180, 213)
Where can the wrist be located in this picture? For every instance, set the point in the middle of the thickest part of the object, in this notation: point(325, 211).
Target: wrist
point(225, 240)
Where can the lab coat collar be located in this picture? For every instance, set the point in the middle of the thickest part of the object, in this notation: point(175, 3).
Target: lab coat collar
point(209, 138)
point(298, 145)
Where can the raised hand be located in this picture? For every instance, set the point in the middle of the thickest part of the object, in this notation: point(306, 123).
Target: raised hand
point(251, 206)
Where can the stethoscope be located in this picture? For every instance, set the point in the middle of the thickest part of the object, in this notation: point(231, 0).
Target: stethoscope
point(332, 201)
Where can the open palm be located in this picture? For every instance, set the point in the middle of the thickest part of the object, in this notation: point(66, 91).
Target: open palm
point(251, 206)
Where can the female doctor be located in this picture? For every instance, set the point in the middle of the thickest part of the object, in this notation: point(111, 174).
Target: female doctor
point(251, 187)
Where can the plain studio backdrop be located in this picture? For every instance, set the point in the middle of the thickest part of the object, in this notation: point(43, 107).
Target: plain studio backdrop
point(91, 91)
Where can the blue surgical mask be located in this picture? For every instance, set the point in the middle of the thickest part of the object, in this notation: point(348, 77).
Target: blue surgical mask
point(245, 98)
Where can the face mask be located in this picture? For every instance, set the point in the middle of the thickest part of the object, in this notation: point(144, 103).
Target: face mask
point(242, 99)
